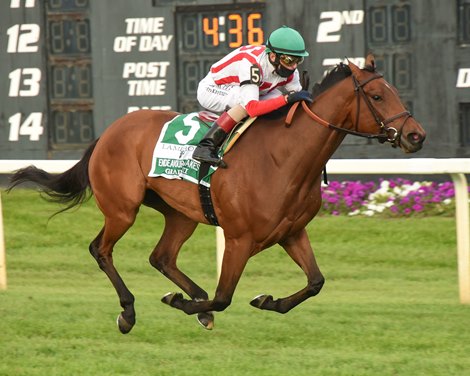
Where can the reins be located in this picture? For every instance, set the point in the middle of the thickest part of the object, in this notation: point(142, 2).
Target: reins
point(358, 88)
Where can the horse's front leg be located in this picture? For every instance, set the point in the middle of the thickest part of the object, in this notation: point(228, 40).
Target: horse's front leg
point(236, 254)
point(299, 249)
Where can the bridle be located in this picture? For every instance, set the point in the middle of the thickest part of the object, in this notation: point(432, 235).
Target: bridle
point(385, 131)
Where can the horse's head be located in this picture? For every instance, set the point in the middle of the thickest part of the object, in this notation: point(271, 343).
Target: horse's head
point(379, 111)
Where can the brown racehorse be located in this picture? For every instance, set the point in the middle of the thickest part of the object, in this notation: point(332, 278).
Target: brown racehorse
point(267, 195)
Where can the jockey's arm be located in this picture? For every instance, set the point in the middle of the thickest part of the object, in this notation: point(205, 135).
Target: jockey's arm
point(249, 95)
point(256, 108)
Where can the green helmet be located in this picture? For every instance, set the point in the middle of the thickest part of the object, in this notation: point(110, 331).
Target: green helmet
point(286, 41)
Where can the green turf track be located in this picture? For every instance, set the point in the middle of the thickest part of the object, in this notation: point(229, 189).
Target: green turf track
point(389, 306)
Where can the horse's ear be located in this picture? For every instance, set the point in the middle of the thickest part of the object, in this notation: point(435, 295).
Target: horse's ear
point(370, 61)
point(354, 68)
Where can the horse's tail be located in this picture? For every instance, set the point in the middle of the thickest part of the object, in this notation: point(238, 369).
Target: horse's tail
point(70, 187)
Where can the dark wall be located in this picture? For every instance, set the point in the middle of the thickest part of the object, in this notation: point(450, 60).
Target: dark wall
point(141, 65)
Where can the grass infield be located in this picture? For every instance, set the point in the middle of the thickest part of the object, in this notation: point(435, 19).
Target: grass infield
point(389, 306)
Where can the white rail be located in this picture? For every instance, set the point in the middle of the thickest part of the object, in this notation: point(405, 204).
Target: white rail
point(456, 168)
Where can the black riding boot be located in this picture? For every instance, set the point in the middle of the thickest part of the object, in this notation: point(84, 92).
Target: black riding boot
point(207, 149)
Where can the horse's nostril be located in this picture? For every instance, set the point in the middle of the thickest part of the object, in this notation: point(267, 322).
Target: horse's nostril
point(415, 138)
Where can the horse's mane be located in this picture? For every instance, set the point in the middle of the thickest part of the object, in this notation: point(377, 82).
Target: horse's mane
point(335, 75)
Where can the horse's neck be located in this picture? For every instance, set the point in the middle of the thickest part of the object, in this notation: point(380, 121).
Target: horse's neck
point(302, 151)
point(334, 105)
point(299, 152)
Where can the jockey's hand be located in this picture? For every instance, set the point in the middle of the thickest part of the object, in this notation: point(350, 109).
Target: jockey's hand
point(297, 96)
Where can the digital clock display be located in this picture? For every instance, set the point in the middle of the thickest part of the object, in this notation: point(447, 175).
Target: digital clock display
point(69, 36)
point(223, 30)
point(232, 29)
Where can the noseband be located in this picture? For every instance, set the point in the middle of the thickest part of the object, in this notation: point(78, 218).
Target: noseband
point(387, 134)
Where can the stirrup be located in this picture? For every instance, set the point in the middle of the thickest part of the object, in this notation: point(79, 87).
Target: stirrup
point(213, 161)
point(216, 162)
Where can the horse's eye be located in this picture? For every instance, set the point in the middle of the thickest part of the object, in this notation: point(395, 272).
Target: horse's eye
point(376, 97)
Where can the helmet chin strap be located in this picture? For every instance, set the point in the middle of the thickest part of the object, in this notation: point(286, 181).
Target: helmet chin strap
point(280, 69)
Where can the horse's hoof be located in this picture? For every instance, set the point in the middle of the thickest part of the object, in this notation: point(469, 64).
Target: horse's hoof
point(171, 297)
point(261, 301)
point(206, 319)
point(123, 325)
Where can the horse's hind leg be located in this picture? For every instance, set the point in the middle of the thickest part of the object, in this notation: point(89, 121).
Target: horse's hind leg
point(178, 229)
point(101, 249)
point(299, 249)
point(119, 217)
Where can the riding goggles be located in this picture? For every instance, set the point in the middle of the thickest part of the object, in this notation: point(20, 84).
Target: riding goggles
point(290, 61)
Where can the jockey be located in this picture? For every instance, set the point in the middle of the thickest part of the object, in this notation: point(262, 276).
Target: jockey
point(246, 82)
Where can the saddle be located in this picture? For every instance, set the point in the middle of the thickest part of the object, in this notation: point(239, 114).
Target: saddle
point(238, 130)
